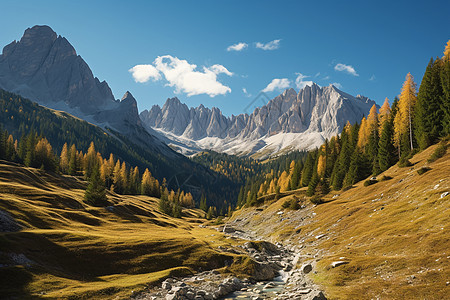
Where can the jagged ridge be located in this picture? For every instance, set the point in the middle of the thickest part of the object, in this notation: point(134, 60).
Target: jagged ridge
point(299, 121)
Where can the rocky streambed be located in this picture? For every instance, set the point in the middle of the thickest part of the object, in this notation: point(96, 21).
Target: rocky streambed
point(275, 276)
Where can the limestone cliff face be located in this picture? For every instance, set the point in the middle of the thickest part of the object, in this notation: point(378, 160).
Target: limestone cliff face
point(308, 117)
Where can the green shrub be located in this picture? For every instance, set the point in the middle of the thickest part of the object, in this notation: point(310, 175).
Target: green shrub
point(291, 204)
point(316, 200)
point(370, 182)
point(439, 152)
point(404, 162)
point(347, 187)
point(294, 205)
point(286, 204)
point(423, 170)
point(384, 178)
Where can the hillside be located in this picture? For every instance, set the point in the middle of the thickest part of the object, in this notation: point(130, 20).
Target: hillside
point(20, 116)
point(53, 245)
point(392, 236)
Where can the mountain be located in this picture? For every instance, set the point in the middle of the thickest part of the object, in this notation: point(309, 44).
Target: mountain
point(45, 68)
point(289, 121)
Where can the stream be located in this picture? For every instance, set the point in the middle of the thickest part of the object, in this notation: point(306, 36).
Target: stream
point(263, 289)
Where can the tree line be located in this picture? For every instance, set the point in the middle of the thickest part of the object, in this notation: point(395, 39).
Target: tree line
point(103, 173)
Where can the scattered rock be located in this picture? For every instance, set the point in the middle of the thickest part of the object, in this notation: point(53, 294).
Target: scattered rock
point(20, 259)
point(166, 285)
point(338, 263)
point(228, 229)
point(306, 268)
point(7, 223)
point(320, 236)
point(444, 194)
point(319, 296)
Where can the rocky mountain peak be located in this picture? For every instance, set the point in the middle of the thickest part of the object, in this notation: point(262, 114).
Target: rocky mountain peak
point(128, 97)
point(291, 120)
point(38, 32)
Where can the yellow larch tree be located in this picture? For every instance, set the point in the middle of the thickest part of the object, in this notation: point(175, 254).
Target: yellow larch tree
point(322, 162)
point(385, 111)
point(348, 127)
point(372, 121)
point(146, 183)
point(363, 134)
point(64, 159)
point(404, 118)
point(447, 50)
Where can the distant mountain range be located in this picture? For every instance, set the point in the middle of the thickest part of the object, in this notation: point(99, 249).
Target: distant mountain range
point(291, 121)
point(45, 68)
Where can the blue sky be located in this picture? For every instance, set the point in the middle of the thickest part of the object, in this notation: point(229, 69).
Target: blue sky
point(366, 47)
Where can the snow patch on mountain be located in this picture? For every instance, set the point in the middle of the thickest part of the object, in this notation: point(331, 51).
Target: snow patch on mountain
point(290, 121)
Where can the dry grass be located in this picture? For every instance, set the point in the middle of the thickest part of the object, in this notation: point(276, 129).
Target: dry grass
point(80, 251)
point(394, 234)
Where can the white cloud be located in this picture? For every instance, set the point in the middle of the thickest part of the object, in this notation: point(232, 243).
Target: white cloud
point(143, 73)
point(247, 94)
point(183, 76)
point(275, 44)
point(326, 77)
point(372, 78)
point(237, 47)
point(277, 84)
point(217, 69)
point(300, 83)
point(317, 74)
point(346, 68)
point(337, 84)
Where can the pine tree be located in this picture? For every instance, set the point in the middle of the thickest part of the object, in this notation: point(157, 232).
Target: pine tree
point(203, 205)
point(343, 161)
point(30, 153)
point(73, 168)
point(164, 204)
point(428, 113)
point(2, 143)
point(313, 184)
point(358, 170)
point(134, 181)
point(386, 149)
point(308, 168)
point(295, 176)
point(95, 193)
point(445, 83)
point(210, 214)
point(239, 203)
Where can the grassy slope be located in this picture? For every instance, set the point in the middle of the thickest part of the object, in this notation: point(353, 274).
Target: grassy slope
point(387, 232)
point(80, 251)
